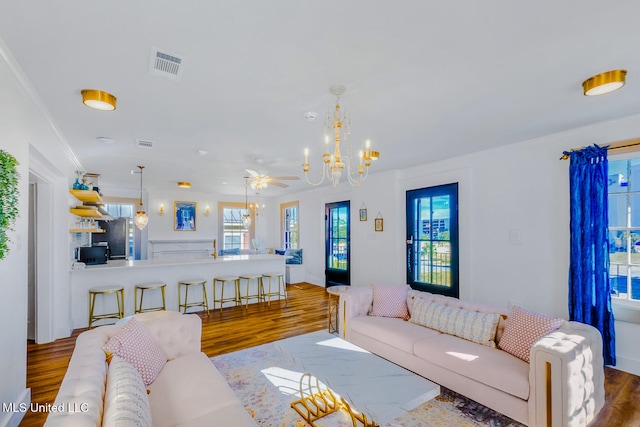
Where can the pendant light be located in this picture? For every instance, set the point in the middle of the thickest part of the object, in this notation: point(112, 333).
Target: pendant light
point(246, 218)
point(141, 219)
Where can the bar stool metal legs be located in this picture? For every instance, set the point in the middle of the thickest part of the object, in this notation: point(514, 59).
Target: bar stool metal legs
point(222, 280)
point(146, 286)
point(105, 290)
point(280, 285)
point(186, 284)
point(259, 295)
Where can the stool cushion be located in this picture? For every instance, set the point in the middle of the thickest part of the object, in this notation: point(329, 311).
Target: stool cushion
point(192, 281)
point(106, 288)
point(226, 278)
point(272, 275)
point(134, 343)
point(150, 285)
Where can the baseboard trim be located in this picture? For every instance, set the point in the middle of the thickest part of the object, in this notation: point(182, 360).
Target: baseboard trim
point(627, 364)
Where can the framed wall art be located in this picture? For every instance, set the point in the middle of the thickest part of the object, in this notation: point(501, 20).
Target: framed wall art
point(363, 214)
point(185, 216)
point(378, 224)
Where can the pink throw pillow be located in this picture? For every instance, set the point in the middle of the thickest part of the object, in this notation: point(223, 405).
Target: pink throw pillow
point(523, 328)
point(390, 301)
point(134, 344)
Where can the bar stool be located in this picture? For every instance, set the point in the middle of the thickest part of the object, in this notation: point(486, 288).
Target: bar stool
point(259, 295)
point(106, 290)
point(188, 283)
point(277, 293)
point(222, 280)
point(146, 286)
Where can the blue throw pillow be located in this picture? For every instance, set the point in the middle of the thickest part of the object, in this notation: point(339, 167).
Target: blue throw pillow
point(234, 251)
point(280, 252)
point(296, 255)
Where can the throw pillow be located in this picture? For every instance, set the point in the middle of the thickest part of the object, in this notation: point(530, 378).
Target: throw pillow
point(296, 255)
point(474, 326)
point(280, 252)
point(134, 344)
point(390, 301)
point(523, 329)
point(125, 401)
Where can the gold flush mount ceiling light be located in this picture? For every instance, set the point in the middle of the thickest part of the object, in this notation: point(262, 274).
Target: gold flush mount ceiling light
point(184, 184)
point(98, 99)
point(604, 82)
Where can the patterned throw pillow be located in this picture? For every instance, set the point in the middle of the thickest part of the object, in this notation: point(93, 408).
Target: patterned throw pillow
point(125, 401)
point(134, 344)
point(471, 325)
point(390, 301)
point(523, 329)
point(296, 256)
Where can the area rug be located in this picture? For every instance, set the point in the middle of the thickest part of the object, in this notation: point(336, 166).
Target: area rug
point(267, 380)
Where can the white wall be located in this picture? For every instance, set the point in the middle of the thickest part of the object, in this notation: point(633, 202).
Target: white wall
point(519, 190)
point(27, 134)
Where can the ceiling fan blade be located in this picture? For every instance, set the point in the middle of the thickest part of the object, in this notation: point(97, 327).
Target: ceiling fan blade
point(285, 178)
point(252, 172)
point(278, 184)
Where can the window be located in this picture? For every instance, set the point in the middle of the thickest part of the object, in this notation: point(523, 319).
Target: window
point(624, 229)
point(234, 233)
point(432, 239)
point(290, 225)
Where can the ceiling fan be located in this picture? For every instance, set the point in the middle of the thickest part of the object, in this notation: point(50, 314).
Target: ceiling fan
point(261, 181)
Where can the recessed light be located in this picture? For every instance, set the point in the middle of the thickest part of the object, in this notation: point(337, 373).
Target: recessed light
point(203, 152)
point(105, 140)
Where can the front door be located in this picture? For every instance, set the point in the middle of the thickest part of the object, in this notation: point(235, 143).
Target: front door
point(337, 244)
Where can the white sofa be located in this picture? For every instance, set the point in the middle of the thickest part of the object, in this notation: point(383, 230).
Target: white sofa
point(563, 385)
point(189, 390)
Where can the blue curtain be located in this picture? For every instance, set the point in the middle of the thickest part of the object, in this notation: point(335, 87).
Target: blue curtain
point(589, 288)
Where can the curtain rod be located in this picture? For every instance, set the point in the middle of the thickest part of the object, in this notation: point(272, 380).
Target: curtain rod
point(616, 146)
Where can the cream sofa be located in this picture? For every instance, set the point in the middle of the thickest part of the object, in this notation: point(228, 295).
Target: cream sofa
point(189, 391)
point(563, 385)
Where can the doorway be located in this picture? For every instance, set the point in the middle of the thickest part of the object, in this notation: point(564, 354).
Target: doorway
point(432, 239)
point(337, 244)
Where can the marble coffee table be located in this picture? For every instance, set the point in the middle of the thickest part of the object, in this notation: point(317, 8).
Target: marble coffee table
point(370, 384)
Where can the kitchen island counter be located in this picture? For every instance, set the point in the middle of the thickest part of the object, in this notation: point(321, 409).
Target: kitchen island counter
point(169, 271)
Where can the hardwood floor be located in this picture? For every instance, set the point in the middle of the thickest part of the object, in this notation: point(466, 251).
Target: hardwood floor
point(306, 311)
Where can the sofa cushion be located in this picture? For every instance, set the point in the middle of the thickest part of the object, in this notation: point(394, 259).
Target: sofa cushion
point(487, 365)
point(125, 401)
point(390, 301)
point(186, 389)
point(523, 329)
point(134, 344)
point(395, 332)
point(471, 325)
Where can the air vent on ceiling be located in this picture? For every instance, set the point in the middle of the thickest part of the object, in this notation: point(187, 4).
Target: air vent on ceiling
point(165, 64)
point(144, 144)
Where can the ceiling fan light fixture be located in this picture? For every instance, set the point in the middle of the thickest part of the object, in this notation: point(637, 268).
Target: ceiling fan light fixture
point(98, 99)
point(604, 82)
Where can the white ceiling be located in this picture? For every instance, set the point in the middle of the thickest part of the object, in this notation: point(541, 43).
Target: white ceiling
point(425, 80)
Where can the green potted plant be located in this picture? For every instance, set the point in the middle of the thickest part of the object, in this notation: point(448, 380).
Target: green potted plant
point(9, 193)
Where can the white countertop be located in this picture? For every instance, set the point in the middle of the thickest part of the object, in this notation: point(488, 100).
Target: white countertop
point(164, 262)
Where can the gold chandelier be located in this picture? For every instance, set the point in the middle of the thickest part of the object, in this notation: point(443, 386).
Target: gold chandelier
point(339, 125)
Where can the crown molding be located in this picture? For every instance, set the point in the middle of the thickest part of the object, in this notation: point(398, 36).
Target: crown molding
point(8, 61)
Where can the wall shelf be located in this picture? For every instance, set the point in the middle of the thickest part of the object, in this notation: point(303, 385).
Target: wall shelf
point(88, 196)
point(86, 230)
point(86, 212)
